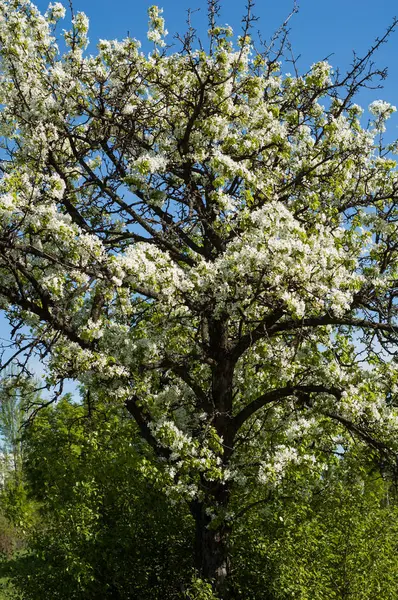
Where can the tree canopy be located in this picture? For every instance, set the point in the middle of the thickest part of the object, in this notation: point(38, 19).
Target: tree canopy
point(210, 243)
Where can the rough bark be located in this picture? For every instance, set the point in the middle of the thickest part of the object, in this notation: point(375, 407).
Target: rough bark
point(212, 552)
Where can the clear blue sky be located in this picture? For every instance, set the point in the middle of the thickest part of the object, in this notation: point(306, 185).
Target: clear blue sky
point(320, 29)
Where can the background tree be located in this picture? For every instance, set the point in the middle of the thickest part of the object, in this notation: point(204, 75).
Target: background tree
point(18, 397)
point(105, 529)
point(17, 512)
point(207, 242)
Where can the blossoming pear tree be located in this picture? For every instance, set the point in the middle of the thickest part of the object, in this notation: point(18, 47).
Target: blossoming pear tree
point(207, 242)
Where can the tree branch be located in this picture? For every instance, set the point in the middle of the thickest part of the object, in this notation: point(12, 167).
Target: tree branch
point(278, 394)
point(358, 431)
point(270, 327)
point(138, 414)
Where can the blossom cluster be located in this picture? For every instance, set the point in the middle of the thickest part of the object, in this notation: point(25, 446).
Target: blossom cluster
point(161, 213)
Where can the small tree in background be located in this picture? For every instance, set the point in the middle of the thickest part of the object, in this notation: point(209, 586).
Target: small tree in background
point(18, 397)
point(17, 393)
point(207, 242)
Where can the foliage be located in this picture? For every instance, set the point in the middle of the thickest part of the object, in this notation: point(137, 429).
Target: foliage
point(338, 543)
point(18, 395)
point(105, 530)
point(199, 590)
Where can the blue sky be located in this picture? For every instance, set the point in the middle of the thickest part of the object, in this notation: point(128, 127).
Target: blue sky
point(320, 29)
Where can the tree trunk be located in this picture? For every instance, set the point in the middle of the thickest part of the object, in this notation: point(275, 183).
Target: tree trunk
point(212, 558)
